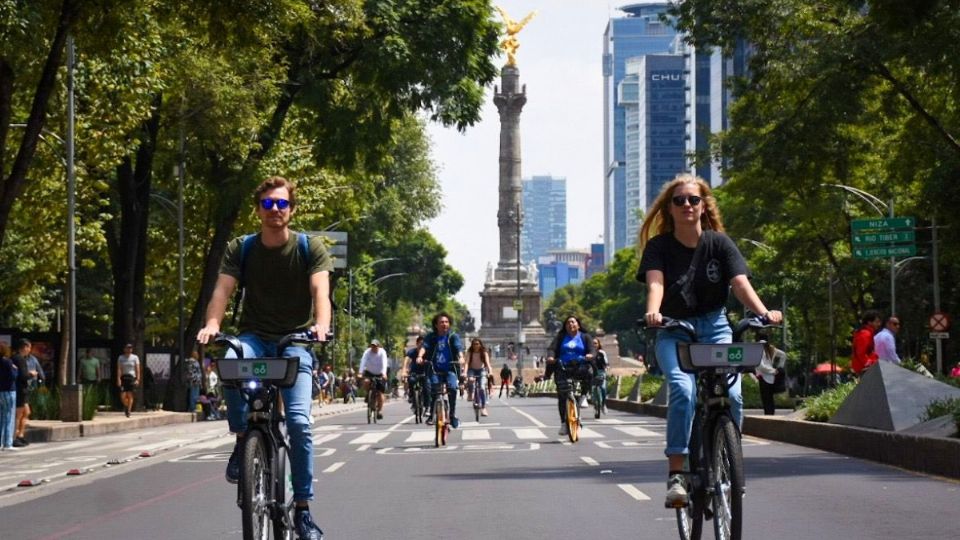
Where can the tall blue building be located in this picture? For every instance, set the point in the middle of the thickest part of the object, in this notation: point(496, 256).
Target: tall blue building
point(545, 217)
point(639, 32)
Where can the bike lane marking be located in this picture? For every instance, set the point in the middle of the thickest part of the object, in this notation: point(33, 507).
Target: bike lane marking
point(476, 435)
point(530, 417)
point(589, 461)
point(371, 438)
point(632, 491)
point(635, 431)
point(420, 436)
point(334, 467)
point(529, 433)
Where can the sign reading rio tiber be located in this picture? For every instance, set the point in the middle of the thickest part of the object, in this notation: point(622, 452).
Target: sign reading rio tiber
point(883, 237)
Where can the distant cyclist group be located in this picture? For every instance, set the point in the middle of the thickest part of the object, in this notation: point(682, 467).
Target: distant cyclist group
point(688, 264)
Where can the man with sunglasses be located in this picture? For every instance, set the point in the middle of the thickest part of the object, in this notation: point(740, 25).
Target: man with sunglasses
point(286, 289)
point(885, 341)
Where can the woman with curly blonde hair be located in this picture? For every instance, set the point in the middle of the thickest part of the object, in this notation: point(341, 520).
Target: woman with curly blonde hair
point(689, 266)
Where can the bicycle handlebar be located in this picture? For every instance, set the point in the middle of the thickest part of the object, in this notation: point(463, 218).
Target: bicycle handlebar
point(754, 323)
point(298, 338)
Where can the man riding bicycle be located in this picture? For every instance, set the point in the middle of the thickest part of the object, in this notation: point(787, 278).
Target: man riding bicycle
point(444, 351)
point(286, 288)
point(373, 369)
point(689, 267)
point(413, 370)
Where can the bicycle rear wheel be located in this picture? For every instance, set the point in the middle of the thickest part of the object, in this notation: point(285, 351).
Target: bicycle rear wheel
point(255, 487)
point(439, 423)
point(573, 418)
point(283, 517)
point(728, 486)
point(690, 517)
point(417, 406)
point(597, 401)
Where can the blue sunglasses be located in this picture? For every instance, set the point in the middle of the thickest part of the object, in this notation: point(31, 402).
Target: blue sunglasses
point(267, 204)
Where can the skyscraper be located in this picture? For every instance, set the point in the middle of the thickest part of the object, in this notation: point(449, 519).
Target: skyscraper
point(545, 219)
point(638, 33)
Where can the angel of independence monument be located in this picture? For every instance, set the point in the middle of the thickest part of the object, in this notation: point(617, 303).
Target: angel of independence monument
point(510, 306)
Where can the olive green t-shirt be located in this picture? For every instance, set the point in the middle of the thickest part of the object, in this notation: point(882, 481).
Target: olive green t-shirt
point(277, 300)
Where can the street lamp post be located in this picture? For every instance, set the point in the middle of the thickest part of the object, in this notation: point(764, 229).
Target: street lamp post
point(350, 302)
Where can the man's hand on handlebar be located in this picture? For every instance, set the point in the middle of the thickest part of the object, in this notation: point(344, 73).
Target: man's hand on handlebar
point(773, 317)
point(654, 319)
point(320, 332)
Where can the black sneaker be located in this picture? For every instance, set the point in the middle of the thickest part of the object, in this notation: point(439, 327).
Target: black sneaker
point(19, 443)
point(233, 465)
point(379, 416)
point(306, 528)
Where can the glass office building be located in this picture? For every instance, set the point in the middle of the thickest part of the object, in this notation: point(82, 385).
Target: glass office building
point(545, 217)
point(639, 31)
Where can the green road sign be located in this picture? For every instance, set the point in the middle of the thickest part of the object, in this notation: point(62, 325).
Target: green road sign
point(893, 237)
point(881, 252)
point(882, 224)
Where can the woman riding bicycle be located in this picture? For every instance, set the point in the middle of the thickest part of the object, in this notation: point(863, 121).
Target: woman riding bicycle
point(478, 367)
point(574, 350)
point(689, 265)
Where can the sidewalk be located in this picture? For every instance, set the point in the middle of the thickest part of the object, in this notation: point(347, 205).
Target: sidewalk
point(113, 422)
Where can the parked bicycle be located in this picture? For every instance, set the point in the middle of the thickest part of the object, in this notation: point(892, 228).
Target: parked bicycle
point(715, 475)
point(265, 489)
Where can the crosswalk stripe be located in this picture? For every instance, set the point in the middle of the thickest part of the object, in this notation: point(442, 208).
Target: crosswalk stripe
point(476, 435)
point(320, 439)
point(371, 438)
point(589, 461)
point(334, 467)
point(630, 490)
point(529, 433)
point(587, 433)
point(635, 431)
point(609, 421)
point(420, 436)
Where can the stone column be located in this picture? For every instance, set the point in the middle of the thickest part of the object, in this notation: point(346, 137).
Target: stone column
point(510, 101)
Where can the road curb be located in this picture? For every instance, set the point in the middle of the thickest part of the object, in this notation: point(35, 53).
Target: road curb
point(930, 455)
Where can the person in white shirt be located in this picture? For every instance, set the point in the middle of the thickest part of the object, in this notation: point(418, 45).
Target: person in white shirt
point(373, 367)
point(885, 341)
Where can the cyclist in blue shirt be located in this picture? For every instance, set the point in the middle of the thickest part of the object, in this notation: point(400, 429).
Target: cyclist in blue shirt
point(444, 351)
point(572, 348)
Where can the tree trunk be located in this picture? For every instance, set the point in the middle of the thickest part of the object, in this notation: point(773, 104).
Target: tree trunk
point(13, 185)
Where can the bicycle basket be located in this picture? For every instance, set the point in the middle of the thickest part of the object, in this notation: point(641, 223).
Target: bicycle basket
point(696, 357)
point(280, 372)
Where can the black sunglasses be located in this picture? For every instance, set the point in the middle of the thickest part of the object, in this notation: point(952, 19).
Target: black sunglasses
point(680, 200)
point(267, 204)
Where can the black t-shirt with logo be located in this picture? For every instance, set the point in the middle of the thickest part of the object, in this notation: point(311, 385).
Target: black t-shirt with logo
point(720, 262)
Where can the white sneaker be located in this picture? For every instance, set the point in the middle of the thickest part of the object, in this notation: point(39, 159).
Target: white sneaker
point(564, 430)
point(676, 492)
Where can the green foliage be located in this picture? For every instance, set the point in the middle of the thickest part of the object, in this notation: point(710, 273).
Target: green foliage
point(45, 403)
point(941, 407)
point(820, 408)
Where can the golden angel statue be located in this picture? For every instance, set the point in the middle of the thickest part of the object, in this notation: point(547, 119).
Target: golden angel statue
point(510, 44)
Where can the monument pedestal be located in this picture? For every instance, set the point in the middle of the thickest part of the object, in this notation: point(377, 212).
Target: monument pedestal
point(500, 317)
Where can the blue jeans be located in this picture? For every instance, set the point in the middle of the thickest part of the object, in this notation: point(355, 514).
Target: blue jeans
point(711, 328)
point(193, 395)
point(600, 379)
point(412, 380)
point(297, 403)
point(8, 407)
point(452, 385)
point(480, 384)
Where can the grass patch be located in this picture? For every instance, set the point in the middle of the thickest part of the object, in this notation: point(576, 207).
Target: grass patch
point(821, 408)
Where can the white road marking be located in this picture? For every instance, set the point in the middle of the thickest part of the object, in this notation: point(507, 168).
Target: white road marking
point(371, 438)
point(400, 423)
point(328, 427)
point(636, 431)
point(633, 492)
point(363, 448)
point(163, 444)
point(333, 467)
point(207, 445)
point(420, 436)
point(476, 435)
point(320, 439)
point(529, 433)
point(326, 452)
point(609, 421)
point(589, 461)
point(602, 444)
point(529, 417)
point(587, 433)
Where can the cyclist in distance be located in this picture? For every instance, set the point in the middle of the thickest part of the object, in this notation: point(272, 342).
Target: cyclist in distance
point(478, 365)
point(412, 369)
point(573, 348)
point(689, 265)
point(444, 350)
point(505, 376)
point(373, 369)
point(285, 292)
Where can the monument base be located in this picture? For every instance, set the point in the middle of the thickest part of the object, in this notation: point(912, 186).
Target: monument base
point(499, 317)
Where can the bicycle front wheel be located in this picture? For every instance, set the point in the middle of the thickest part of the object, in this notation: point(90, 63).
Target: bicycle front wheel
point(417, 406)
point(597, 401)
point(439, 423)
point(255, 487)
point(690, 517)
point(573, 418)
point(728, 480)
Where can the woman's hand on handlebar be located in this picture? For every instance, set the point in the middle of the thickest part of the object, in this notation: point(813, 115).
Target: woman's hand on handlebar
point(654, 319)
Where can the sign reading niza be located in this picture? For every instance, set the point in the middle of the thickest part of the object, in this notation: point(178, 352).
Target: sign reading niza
point(881, 224)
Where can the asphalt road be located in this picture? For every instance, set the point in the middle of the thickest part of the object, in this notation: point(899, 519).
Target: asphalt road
point(511, 476)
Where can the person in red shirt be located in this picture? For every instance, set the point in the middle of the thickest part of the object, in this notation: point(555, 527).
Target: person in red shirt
point(863, 354)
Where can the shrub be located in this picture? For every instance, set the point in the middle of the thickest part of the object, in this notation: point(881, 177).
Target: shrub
point(941, 407)
point(45, 403)
point(821, 408)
